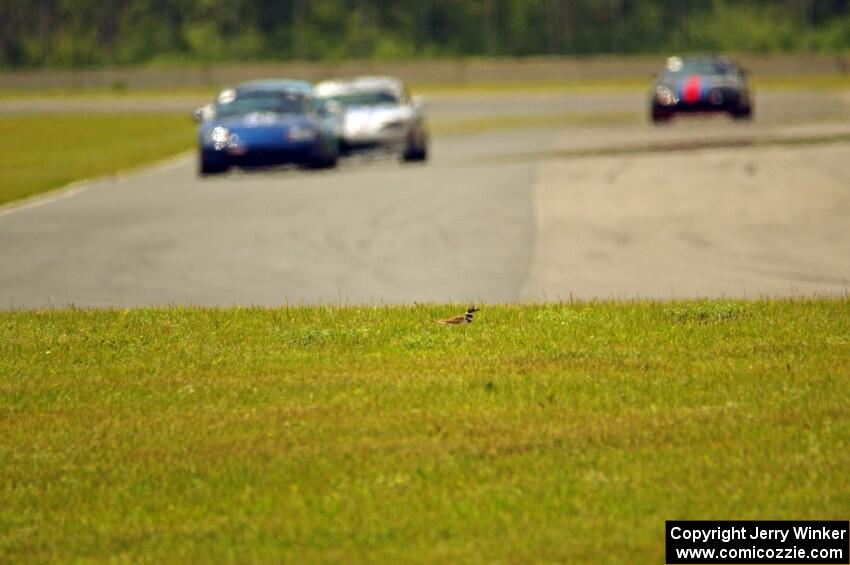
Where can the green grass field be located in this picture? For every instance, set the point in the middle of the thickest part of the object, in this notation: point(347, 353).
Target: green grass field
point(539, 433)
point(40, 152)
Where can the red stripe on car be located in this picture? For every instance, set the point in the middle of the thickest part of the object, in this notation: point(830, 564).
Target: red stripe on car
point(691, 90)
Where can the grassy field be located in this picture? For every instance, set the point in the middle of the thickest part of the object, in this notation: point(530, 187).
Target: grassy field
point(42, 151)
point(559, 432)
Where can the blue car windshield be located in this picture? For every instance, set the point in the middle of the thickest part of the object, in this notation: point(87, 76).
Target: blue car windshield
point(261, 101)
point(373, 98)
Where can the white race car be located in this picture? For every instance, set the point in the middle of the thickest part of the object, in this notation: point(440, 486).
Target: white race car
point(379, 114)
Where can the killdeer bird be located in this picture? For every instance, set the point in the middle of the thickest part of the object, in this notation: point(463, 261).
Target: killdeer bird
point(462, 319)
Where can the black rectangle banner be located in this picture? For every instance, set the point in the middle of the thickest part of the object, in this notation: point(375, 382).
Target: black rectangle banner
point(755, 541)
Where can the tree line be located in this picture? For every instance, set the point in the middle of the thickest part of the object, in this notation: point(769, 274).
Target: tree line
point(91, 33)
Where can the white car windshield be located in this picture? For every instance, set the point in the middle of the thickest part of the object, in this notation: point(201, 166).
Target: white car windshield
point(370, 98)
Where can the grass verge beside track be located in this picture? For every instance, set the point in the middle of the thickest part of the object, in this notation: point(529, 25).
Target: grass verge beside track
point(40, 152)
point(539, 433)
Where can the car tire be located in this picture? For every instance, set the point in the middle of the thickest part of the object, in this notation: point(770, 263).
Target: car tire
point(744, 113)
point(207, 168)
point(327, 162)
point(325, 156)
point(324, 161)
point(416, 151)
point(660, 117)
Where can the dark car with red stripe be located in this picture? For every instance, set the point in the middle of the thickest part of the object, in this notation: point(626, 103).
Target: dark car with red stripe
point(701, 84)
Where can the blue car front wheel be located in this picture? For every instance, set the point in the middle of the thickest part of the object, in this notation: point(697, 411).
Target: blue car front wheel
point(209, 165)
point(326, 157)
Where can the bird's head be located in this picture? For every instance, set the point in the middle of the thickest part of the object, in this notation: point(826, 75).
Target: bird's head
point(472, 309)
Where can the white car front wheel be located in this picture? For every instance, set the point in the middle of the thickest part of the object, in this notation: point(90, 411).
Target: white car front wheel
point(416, 149)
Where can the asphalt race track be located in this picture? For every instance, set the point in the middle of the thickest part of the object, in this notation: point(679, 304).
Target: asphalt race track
point(704, 207)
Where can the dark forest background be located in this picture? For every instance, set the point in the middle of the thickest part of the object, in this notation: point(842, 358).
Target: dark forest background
point(92, 33)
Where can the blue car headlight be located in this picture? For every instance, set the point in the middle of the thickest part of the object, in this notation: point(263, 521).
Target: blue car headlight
point(219, 134)
point(298, 133)
point(220, 137)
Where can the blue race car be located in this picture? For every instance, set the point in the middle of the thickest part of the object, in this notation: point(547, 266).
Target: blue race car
point(265, 123)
